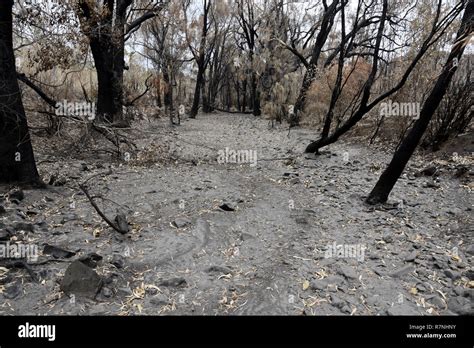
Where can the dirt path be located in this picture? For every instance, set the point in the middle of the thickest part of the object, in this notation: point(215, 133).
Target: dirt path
point(267, 256)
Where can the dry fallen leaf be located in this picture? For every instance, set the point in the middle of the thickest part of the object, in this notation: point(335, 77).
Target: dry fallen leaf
point(305, 285)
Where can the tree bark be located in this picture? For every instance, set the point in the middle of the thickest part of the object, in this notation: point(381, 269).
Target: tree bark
point(390, 176)
point(17, 161)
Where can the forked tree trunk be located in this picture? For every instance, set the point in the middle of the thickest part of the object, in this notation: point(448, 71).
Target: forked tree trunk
point(17, 161)
point(390, 176)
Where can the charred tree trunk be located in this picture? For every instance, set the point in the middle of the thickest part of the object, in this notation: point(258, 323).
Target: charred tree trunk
point(197, 93)
point(17, 161)
point(244, 93)
point(390, 176)
point(312, 68)
point(201, 60)
point(106, 39)
point(108, 56)
point(158, 93)
point(255, 95)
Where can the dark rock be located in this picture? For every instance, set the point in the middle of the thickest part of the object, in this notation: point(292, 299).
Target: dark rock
point(4, 235)
point(346, 309)
point(402, 271)
point(24, 226)
point(420, 287)
point(219, 269)
point(387, 238)
point(12, 291)
point(91, 260)
point(60, 181)
point(452, 274)
point(16, 194)
point(469, 274)
point(122, 224)
point(56, 252)
point(301, 220)
point(2, 210)
point(246, 236)
point(460, 305)
point(174, 282)
point(294, 181)
point(470, 249)
point(118, 261)
point(106, 292)
point(181, 222)
point(81, 280)
point(429, 171)
point(227, 207)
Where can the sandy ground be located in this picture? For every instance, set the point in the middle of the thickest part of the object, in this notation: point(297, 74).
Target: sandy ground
point(269, 255)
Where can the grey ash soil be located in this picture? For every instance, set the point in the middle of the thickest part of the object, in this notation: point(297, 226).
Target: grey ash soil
point(267, 256)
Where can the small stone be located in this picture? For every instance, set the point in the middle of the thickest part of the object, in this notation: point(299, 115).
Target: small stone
point(2, 210)
point(294, 181)
point(429, 171)
point(12, 291)
point(227, 207)
point(402, 271)
point(4, 235)
point(91, 259)
point(387, 238)
point(181, 222)
point(24, 226)
point(174, 282)
point(107, 292)
point(470, 249)
point(16, 194)
point(469, 274)
point(118, 261)
point(453, 275)
point(219, 269)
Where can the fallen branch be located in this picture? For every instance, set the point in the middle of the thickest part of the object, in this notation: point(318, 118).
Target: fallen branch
point(120, 227)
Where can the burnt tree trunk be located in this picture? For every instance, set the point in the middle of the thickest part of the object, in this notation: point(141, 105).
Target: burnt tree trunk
point(201, 61)
point(106, 38)
point(17, 161)
point(390, 176)
point(312, 68)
